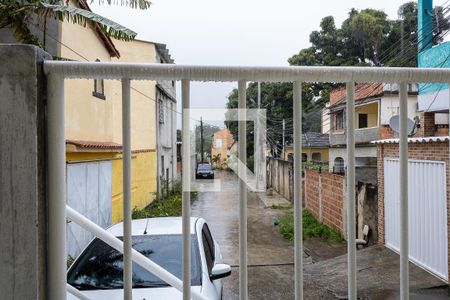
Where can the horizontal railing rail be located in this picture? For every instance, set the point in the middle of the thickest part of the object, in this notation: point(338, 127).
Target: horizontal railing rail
point(57, 71)
point(135, 71)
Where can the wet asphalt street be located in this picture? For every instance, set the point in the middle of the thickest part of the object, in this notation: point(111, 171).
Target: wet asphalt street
point(270, 256)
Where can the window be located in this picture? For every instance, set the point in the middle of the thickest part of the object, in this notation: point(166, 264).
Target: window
point(362, 121)
point(162, 164)
point(338, 165)
point(99, 87)
point(218, 143)
point(161, 112)
point(317, 156)
point(339, 120)
point(304, 157)
point(291, 157)
point(208, 245)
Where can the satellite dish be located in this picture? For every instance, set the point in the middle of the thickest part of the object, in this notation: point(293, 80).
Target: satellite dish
point(412, 126)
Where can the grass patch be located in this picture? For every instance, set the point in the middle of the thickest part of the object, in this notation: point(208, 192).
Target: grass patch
point(164, 206)
point(311, 228)
point(280, 207)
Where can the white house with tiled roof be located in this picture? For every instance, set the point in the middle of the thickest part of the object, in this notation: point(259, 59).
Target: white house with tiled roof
point(375, 104)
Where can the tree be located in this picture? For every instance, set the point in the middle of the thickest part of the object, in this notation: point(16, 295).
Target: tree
point(216, 161)
point(365, 38)
point(17, 14)
point(208, 132)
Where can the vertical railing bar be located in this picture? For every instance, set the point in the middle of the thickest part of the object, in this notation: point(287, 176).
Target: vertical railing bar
point(242, 158)
point(403, 181)
point(351, 235)
point(126, 183)
point(298, 218)
point(186, 196)
point(56, 188)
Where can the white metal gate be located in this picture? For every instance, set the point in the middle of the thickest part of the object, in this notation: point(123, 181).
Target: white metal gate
point(89, 192)
point(427, 210)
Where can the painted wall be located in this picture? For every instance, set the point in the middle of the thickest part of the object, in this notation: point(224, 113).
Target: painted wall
point(143, 183)
point(326, 121)
point(87, 117)
point(370, 151)
point(309, 152)
point(226, 140)
point(93, 119)
point(143, 177)
point(390, 106)
point(434, 97)
point(372, 114)
point(143, 97)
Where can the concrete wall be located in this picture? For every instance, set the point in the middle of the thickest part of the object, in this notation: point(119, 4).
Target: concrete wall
point(280, 177)
point(390, 106)
point(22, 176)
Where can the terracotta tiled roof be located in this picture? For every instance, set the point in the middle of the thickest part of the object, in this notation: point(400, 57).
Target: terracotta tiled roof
point(94, 145)
point(362, 91)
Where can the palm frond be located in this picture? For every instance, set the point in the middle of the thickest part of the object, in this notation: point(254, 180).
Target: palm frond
point(141, 4)
point(87, 18)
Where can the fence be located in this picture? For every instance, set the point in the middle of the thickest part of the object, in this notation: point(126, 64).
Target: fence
point(325, 199)
point(280, 177)
point(58, 71)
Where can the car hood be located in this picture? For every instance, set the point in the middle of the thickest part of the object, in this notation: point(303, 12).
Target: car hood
point(138, 294)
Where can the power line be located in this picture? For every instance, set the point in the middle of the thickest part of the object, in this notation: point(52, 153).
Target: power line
point(134, 89)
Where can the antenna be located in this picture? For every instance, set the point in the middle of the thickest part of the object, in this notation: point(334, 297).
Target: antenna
point(394, 123)
point(146, 226)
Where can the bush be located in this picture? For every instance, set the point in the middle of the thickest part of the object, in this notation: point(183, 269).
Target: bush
point(164, 206)
point(311, 228)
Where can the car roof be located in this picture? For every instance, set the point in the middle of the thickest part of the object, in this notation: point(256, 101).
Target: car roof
point(156, 226)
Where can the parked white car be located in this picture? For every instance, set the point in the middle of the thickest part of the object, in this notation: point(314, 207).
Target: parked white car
point(97, 272)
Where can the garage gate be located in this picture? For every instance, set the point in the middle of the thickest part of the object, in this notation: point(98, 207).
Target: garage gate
point(89, 193)
point(427, 208)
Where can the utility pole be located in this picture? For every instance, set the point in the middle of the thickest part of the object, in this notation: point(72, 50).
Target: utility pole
point(258, 140)
point(201, 139)
point(284, 130)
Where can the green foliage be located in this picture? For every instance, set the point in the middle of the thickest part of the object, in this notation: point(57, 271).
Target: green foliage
point(18, 15)
point(317, 166)
point(311, 228)
point(208, 132)
point(69, 261)
point(86, 18)
point(164, 206)
point(276, 99)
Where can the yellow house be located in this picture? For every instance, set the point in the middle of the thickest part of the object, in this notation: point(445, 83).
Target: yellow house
point(93, 124)
point(94, 129)
point(315, 147)
point(222, 141)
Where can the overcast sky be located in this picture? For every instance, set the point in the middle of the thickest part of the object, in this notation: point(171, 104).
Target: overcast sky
point(234, 32)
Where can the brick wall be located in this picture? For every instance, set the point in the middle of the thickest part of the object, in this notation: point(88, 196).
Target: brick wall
point(386, 132)
point(325, 198)
point(427, 127)
point(437, 151)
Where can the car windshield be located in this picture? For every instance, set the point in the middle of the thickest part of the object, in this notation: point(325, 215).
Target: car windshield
point(204, 168)
point(100, 266)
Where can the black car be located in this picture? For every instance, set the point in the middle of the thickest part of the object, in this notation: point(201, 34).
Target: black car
point(204, 171)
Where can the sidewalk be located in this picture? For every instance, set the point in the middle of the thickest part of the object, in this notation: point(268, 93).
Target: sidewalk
point(273, 199)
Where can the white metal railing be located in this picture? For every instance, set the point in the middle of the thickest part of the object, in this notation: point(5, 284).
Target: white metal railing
point(58, 70)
